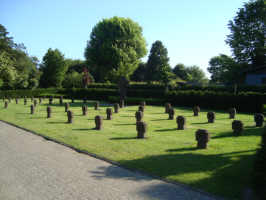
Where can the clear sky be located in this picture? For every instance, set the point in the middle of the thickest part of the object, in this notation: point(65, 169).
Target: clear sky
point(193, 31)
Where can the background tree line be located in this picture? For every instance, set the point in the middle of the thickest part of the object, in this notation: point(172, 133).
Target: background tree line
point(115, 49)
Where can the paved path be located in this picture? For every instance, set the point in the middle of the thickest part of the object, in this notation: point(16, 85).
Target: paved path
point(32, 168)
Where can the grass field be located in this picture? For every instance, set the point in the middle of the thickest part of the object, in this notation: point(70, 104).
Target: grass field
point(223, 169)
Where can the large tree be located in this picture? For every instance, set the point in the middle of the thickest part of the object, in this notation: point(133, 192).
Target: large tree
point(6, 42)
point(196, 75)
point(224, 70)
point(115, 48)
point(19, 68)
point(247, 37)
point(158, 67)
point(53, 69)
point(180, 71)
point(8, 72)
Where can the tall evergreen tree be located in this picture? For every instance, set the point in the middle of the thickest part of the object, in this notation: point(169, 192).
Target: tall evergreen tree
point(158, 67)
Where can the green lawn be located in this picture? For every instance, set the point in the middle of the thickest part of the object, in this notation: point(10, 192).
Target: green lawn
point(223, 169)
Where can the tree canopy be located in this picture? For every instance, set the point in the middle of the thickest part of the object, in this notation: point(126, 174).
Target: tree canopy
point(18, 69)
point(224, 70)
point(180, 71)
point(158, 67)
point(53, 69)
point(115, 48)
point(139, 73)
point(247, 37)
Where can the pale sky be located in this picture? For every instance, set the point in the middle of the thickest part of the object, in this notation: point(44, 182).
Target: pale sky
point(192, 31)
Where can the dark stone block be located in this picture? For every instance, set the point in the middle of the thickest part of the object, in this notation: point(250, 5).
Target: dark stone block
point(138, 116)
point(116, 107)
point(70, 117)
point(202, 137)
point(84, 109)
point(211, 117)
point(167, 107)
point(66, 107)
point(109, 113)
point(237, 127)
point(141, 129)
point(171, 113)
point(196, 110)
point(98, 122)
point(49, 112)
point(181, 122)
point(32, 109)
point(96, 105)
point(232, 113)
point(259, 119)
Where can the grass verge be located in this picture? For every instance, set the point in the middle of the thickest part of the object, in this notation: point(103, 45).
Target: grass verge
point(223, 169)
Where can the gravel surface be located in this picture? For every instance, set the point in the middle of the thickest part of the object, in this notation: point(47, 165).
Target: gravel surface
point(32, 168)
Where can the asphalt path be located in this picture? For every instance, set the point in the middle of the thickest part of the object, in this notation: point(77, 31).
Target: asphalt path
point(32, 168)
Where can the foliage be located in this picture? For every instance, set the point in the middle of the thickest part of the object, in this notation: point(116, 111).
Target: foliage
point(139, 73)
point(72, 80)
point(158, 68)
point(196, 75)
point(115, 48)
point(224, 69)
point(19, 70)
point(75, 65)
point(247, 37)
point(6, 42)
point(53, 69)
point(180, 71)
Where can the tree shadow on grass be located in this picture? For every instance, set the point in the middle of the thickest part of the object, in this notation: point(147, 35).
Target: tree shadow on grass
point(230, 176)
point(182, 149)
point(166, 130)
point(124, 138)
point(83, 129)
point(134, 124)
point(158, 119)
point(127, 116)
point(255, 131)
point(200, 123)
point(219, 173)
point(56, 122)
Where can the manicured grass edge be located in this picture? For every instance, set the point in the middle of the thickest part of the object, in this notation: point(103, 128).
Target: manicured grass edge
point(145, 173)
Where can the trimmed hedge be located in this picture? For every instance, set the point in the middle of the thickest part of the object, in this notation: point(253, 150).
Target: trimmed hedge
point(243, 101)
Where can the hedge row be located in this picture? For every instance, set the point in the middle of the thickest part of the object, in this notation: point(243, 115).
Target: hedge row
point(28, 93)
point(157, 86)
point(244, 101)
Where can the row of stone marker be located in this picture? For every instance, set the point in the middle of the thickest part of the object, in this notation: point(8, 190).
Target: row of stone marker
point(202, 135)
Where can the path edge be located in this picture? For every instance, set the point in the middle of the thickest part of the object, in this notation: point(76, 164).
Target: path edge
point(141, 172)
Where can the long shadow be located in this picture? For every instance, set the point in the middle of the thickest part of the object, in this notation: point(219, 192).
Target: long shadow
point(165, 130)
point(255, 131)
point(124, 138)
point(127, 116)
point(125, 124)
point(56, 122)
point(219, 174)
point(83, 129)
point(182, 149)
point(200, 123)
point(158, 119)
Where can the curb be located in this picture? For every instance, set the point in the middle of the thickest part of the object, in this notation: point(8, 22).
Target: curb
point(141, 172)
